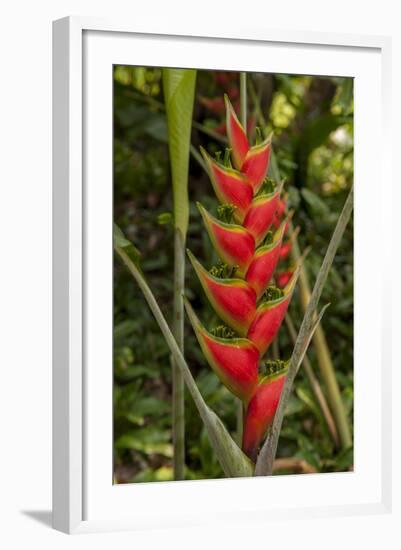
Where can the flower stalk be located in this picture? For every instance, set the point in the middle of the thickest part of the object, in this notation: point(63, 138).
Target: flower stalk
point(178, 388)
point(179, 92)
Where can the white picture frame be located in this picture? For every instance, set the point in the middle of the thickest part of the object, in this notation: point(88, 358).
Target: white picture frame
point(83, 51)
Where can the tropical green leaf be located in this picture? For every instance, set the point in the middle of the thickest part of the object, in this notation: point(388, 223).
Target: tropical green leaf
point(179, 93)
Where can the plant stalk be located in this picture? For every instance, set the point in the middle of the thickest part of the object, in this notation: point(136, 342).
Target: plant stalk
point(198, 157)
point(243, 99)
point(179, 94)
point(178, 389)
point(264, 464)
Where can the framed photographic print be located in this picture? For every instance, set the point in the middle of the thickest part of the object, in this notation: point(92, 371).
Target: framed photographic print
point(219, 342)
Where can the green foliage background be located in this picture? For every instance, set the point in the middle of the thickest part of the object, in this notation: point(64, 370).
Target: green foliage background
point(312, 120)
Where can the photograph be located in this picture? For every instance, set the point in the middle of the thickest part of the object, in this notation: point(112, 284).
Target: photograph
point(228, 190)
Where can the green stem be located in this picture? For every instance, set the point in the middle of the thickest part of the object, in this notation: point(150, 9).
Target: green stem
point(179, 94)
point(256, 103)
point(243, 99)
point(177, 378)
point(275, 349)
point(198, 157)
point(209, 132)
point(324, 360)
point(264, 464)
point(231, 458)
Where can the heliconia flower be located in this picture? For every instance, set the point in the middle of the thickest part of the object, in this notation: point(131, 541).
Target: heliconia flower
point(248, 259)
point(234, 244)
point(233, 94)
point(282, 205)
point(285, 250)
point(215, 104)
point(261, 410)
point(222, 127)
point(256, 164)
point(230, 186)
point(226, 78)
point(282, 278)
point(260, 215)
point(234, 360)
point(269, 316)
point(236, 135)
point(233, 299)
point(264, 263)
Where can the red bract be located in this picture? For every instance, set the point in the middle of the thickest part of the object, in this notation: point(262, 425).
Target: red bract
point(222, 127)
point(217, 104)
point(260, 412)
point(281, 209)
point(264, 263)
point(230, 186)
point(238, 287)
point(235, 360)
point(285, 250)
point(236, 136)
point(256, 163)
point(260, 215)
point(225, 78)
point(269, 316)
point(282, 278)
point(233, 299)
point(282, 205)
point(234, 244)
point(251, 161)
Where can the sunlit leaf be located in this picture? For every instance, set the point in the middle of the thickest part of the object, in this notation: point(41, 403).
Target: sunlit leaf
point(179, 93)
